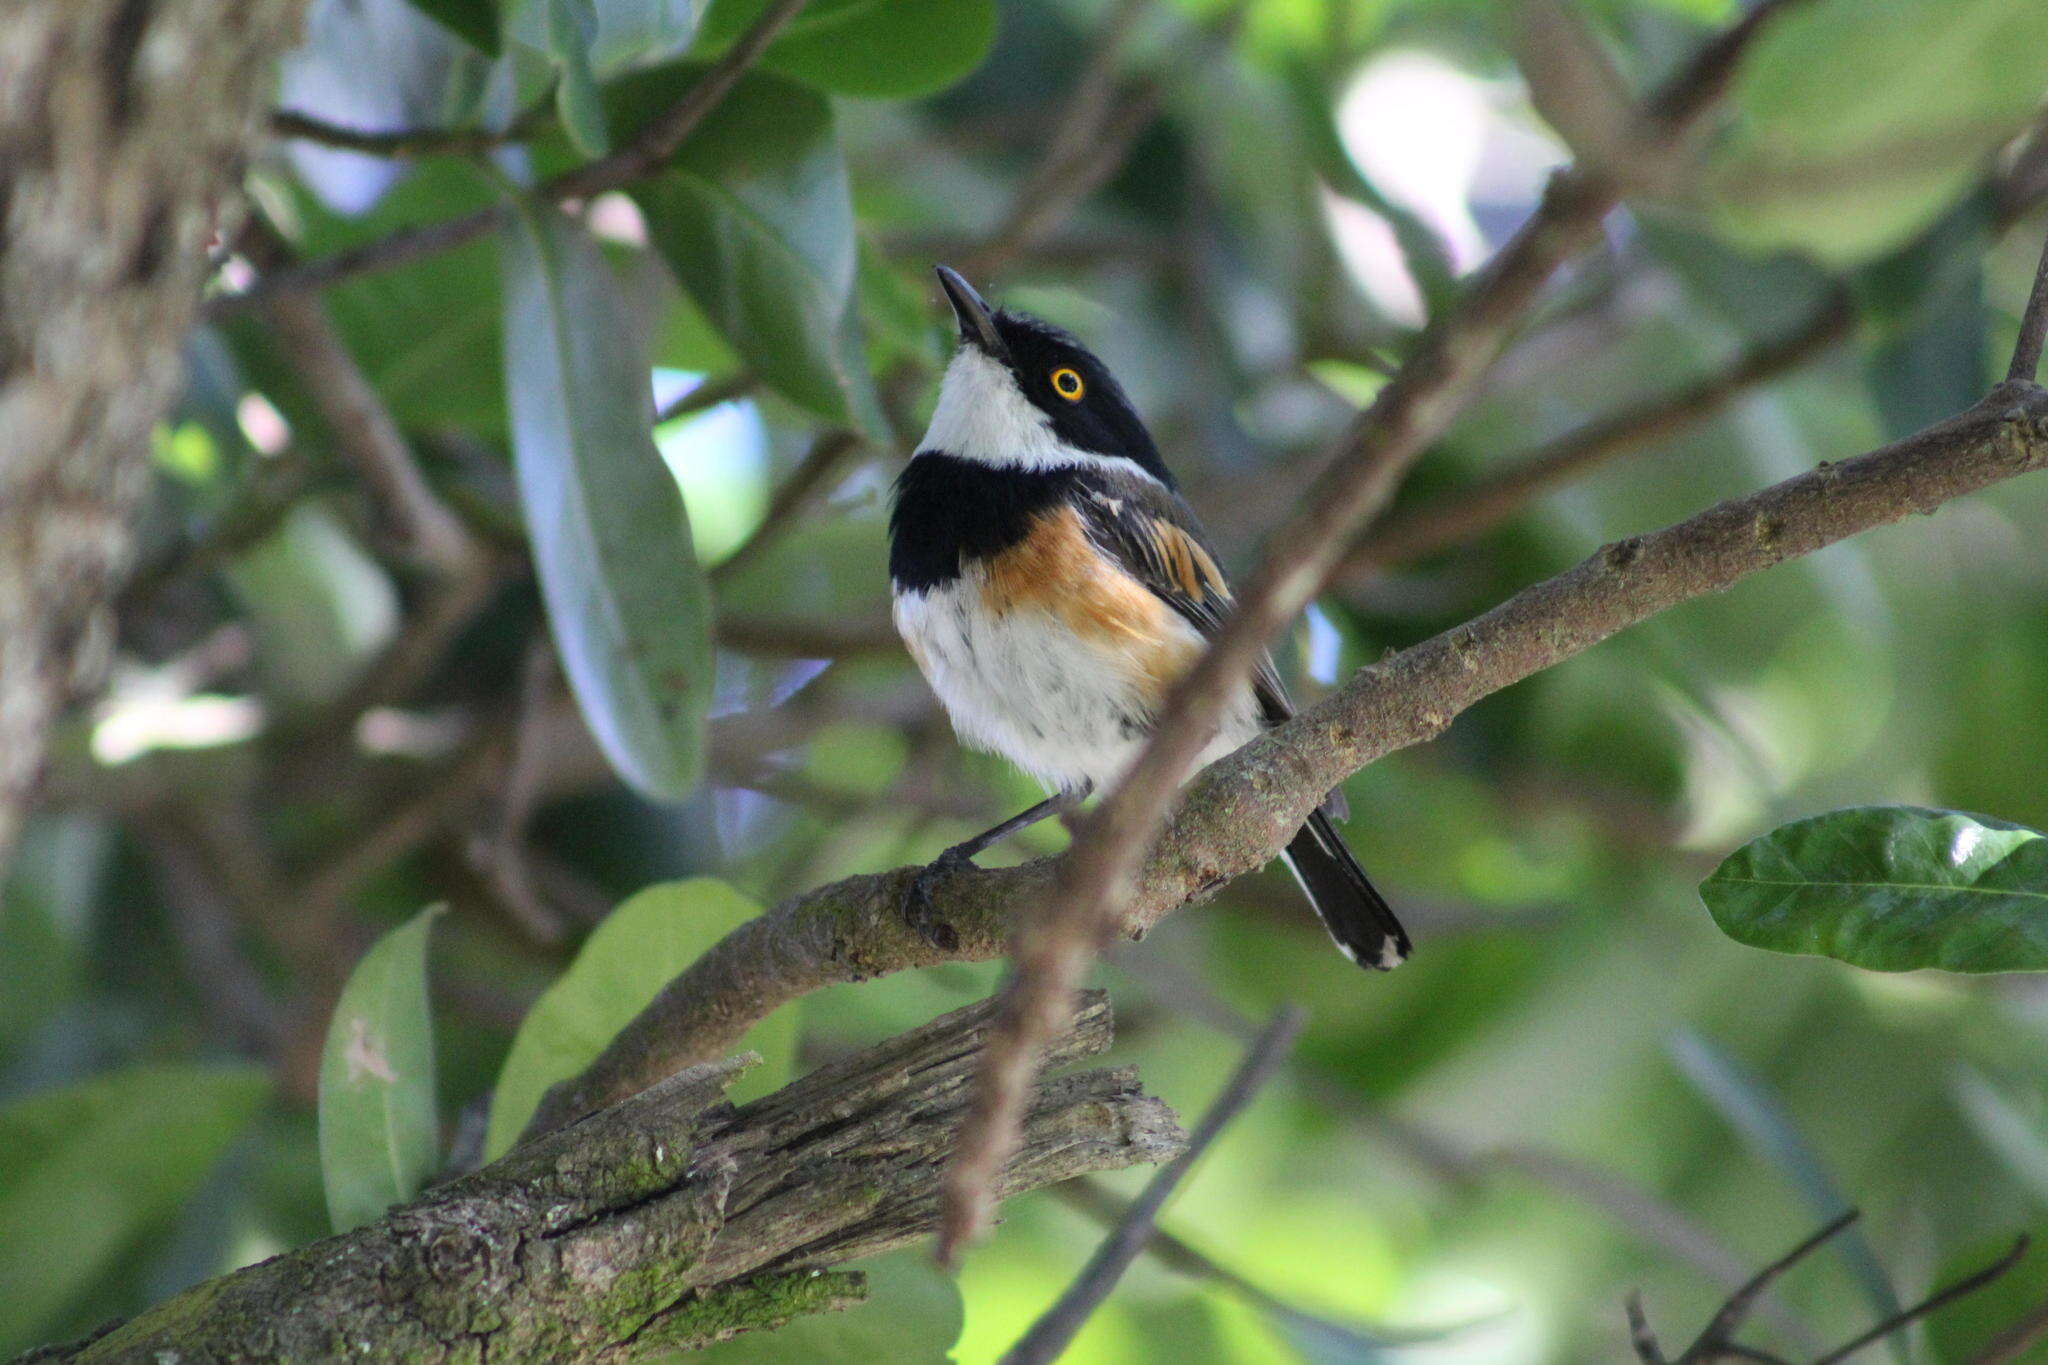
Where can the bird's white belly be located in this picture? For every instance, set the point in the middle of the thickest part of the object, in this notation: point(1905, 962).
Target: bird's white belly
point(1067, 709)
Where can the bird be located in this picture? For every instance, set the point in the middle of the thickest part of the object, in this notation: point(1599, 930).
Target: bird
point(1051, 584)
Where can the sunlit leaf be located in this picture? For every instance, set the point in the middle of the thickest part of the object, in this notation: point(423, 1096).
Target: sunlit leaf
point(87, 1171)
point(880, 49)
point(755, 217)
point(640, 947)
point(380, 1131)
point(611, 542)
point(1891, 888)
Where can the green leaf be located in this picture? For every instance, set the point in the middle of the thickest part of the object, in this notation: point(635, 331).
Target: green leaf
point(611, 542)
point(618, 35)
point(1891, 889)
point(755, 217)
point(1859, 121)
point(876, 49)
point(640, 947)
point(572, 24)
point(473, 21)
point(88, 1171)
point(1746, 1103)
point(380, 1134)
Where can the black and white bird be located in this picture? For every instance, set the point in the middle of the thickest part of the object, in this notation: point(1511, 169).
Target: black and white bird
point(1052, 586)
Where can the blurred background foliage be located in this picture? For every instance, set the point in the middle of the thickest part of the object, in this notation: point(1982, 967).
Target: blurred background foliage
point(337, 699)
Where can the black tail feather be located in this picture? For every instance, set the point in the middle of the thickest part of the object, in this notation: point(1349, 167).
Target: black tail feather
point(1356, 915)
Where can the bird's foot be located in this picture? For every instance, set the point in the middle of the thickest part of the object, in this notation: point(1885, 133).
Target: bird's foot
point(921, 912)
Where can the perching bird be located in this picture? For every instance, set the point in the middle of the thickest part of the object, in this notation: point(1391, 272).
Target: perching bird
point(1052, 585)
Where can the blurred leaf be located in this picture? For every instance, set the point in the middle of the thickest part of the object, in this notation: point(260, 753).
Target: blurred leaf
point(611, 542)
point(1891, 889)
point(755, 217)
point(1746, 1103)
point(572, 24)
point(617, 35)
point(380, 1129)
point(319, 606)
point(89, 1170)
point(1965, 1329)
point(639, 948)
point(473, 21)
point(1858, 121)
point(912, 1316)
point(877, 49)
point(1931, 358)
point(2019, 1140)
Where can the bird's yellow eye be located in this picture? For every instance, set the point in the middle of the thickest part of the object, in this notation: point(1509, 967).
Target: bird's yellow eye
point(1067, 384)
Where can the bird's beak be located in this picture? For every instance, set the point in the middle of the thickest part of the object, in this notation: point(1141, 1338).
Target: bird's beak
point(977, 326)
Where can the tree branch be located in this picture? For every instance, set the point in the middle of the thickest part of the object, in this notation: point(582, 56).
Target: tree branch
point(667, 1222)
point(1053, 947)
point(653, 145)
point(1467, 513)
point(122, 129)
point(1238, 813)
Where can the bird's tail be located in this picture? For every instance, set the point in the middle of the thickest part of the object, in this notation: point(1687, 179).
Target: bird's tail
point(1356, 915)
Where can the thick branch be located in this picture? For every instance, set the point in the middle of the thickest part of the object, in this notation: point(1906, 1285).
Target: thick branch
point(669, 1221)
point(122, 130)
point(1240, 812)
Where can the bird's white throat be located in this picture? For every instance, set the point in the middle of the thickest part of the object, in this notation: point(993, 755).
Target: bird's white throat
point(983, 416)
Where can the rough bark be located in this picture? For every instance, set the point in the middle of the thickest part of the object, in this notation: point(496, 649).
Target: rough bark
point(666, 1222)
point(124, 125)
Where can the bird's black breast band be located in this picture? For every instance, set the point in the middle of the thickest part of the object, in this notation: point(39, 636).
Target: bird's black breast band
point(951, 511)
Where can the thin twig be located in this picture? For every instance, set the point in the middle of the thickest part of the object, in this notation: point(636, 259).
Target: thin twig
point(404, 143)
point(709, 393)
point(1109, 1210)
point(652, 146)
point(1467, 513)
point(498, 851)
point(1053, 1331)
point(1933, 1303)
point(1413, 410)
point(2026, 353)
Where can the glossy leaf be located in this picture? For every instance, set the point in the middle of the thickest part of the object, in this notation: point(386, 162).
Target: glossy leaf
point(618, 35)
point(1892, 889)
point(878, 49)
point(473, 21)
point(639, 948)
point(572, 24)
point(611, 542)
point(755, 217)
point(380, 1131)
point(87, 1171)
point(1858, 123)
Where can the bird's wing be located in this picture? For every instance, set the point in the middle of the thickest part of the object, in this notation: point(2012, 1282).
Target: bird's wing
point(1150, 531)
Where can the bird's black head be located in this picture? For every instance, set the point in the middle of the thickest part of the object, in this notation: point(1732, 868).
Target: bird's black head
point(1070, 401)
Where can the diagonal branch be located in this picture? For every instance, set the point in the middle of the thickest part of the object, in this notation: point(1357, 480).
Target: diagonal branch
point(1414, 409)
point(652, 146)
point(664, 1223)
